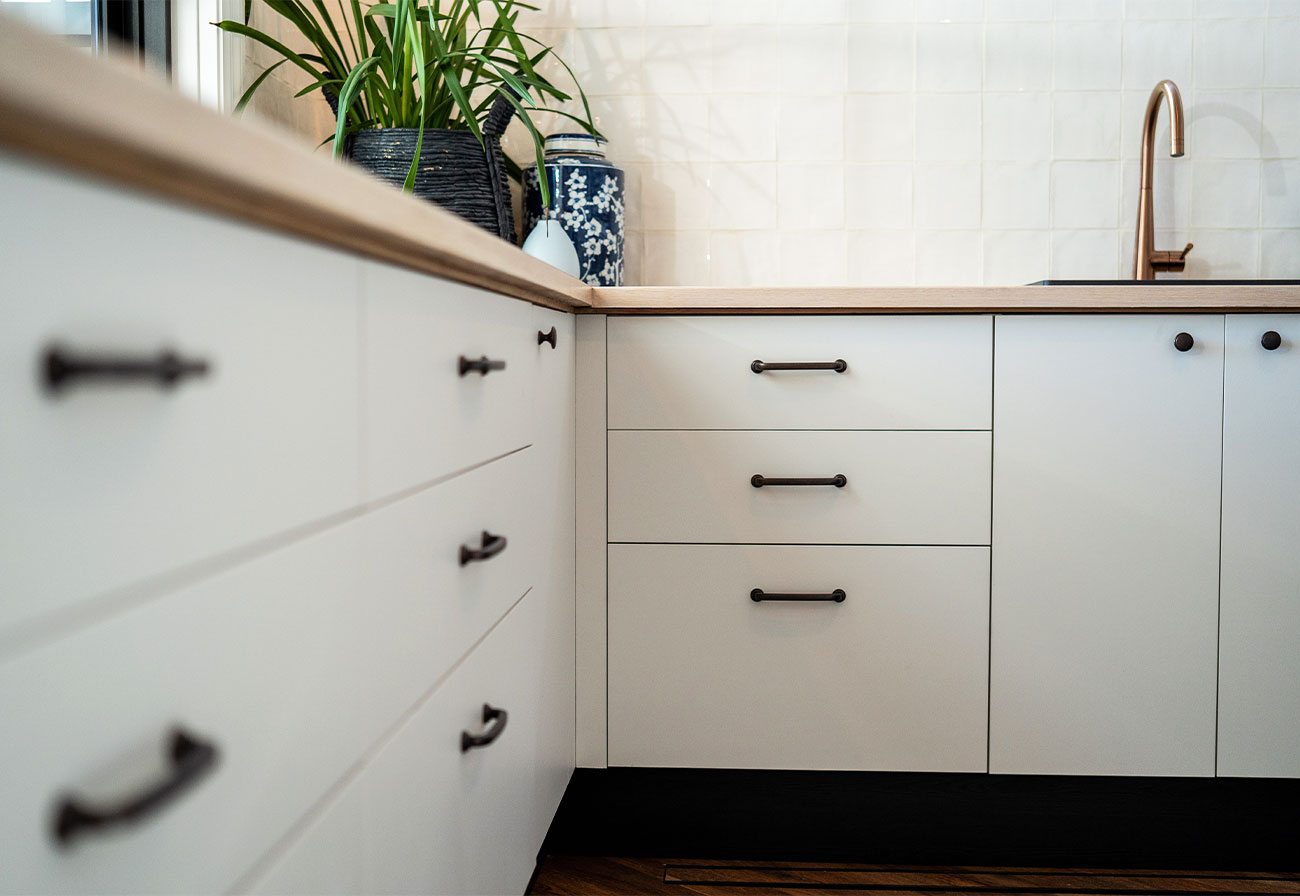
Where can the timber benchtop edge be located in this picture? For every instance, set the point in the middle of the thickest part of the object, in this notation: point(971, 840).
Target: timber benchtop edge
point(106, 119)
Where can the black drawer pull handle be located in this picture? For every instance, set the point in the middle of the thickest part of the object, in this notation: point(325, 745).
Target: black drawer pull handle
point(547, 337)
point(492, 545)
point(490, 714)
point(191, 760)
point(1272, 340)
point(1184, 342)
point(479, 365)
point(839, 366)
point(758, 480)
point(167, 369)
point(758, 595)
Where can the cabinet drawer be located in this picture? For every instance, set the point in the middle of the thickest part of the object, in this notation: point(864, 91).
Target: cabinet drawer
point(445, 821)
point(107, 483)
point(892, 678)
point(282, 663)
point(438, 607)
point(900, 487)
point(902, 373)
point(423, 418)
point(424, 817)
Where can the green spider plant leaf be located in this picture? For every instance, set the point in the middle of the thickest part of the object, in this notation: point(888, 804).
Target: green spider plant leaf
point(267, 40)
point(538, 144)
point(347, 93)
point(252, 88)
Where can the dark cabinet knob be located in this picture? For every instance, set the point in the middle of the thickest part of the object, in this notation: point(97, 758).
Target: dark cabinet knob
point(1184, 342)
point(191, 759)
point(1272, 340)
point(479, 365)
point(547, 337)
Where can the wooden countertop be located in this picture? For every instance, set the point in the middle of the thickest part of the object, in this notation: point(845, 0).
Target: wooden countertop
point(943, 300)
point(105, 118)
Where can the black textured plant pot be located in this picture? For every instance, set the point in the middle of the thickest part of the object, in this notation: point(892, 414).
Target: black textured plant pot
point(454, 171)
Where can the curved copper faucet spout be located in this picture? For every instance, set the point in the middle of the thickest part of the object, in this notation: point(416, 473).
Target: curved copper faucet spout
point(1146, 260)
point(1167, 90)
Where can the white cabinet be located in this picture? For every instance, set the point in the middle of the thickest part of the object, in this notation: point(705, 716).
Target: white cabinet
point(271, 662)
point(437, 607)
point(900, 372)
point(1259, 656)
point(426, 414)
point(424, 816)
point(891, 677)
point(109, 484)
point(1105, 545)
point(700, 674)
point(440, 820)
point(269, 557)
point(327, 858)
point(899, 487)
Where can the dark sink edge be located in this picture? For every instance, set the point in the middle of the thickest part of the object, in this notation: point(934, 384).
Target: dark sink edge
point(1165, 283)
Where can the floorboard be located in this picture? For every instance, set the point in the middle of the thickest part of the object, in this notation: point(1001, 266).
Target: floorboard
point(613, 876)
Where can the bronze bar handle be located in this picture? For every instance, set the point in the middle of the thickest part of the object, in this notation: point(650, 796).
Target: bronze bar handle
point(191, 760)
point(839, 365)
point(490, 714)
point(758, 595)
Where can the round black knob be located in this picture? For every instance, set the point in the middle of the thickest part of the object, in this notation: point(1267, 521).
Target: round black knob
point(1184, 342)
point(546, 337)
point(1271, 340)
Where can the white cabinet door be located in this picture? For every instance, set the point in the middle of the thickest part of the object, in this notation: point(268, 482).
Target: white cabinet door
point(1105, 545)
point(891, 678)
point(1259, 661)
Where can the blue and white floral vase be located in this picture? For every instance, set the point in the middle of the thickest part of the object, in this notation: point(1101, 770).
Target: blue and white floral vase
point(586, 200)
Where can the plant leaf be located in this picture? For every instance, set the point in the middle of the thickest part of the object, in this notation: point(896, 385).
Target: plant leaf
point(347, 93)
point(252, 88)
point(268, 41)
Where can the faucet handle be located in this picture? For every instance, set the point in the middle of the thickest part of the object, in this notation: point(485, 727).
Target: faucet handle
point(1170, 261)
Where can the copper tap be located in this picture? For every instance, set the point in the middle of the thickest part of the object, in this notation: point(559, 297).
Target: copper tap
point(1146, 260)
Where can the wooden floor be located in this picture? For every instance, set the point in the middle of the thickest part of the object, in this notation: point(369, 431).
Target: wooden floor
point(592, 876)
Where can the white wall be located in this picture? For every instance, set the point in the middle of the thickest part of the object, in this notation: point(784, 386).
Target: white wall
point(938, 141)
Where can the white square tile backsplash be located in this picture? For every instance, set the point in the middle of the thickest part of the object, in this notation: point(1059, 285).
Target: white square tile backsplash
point(937, 142)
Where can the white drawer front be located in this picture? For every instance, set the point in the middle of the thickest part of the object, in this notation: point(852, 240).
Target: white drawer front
point(440, 820)
point(423, 817)
point(902, 373)
point(284, 664)
point(437, 607)
point(901, 487)
point(423, 418)
point(893, 678)
point(107, 483)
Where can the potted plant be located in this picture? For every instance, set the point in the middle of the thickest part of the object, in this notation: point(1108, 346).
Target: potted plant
point(423, 90)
